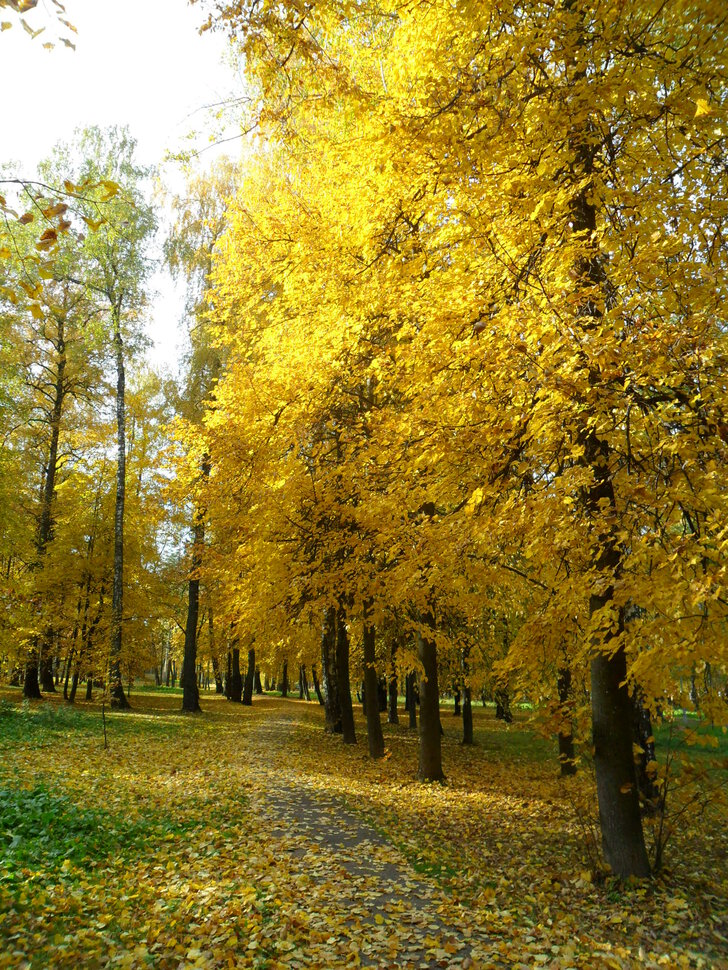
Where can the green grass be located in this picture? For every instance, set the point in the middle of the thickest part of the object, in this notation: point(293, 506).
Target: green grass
point(44, 827)
point(691, 738)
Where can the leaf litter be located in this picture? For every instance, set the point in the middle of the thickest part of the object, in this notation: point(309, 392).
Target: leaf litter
point(249, 838)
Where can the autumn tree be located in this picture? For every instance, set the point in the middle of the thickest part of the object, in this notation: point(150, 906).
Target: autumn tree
point(199, 223)
point(117, 267)
point(532, 194)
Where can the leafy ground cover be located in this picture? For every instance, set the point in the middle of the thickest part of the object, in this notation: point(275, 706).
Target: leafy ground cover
point(248, 838)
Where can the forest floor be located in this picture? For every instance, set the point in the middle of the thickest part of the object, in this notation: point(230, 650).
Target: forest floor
point(247, 837)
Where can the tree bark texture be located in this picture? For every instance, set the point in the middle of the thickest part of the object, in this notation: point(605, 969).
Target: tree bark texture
point(316, 685)
point(467, 716)
point(411, 698)
point(430, 761)
point(249, 678)
point(342, 669)
point(190, 688)
point(332, 703)
point(393, 687)
point(374, 724)
point(236, 681)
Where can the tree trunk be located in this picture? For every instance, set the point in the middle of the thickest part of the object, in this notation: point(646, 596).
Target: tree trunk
point(69, 664)
point(217, 673)
point(430, 766)
point(332, 703)
point(342, 669)
point(374, 725)
point(393, 687)
point(116, 688)
point(236, 681)
point(644, 739)
point(284, 680)
point(566, 738)
point(316, 685)
point(456, 706)
point(467, 716)
point(619, 810)
point(47, 682)
point(74, 682)
point(411, 698)
point(249, 678)
point(190, 688)
point(228, 673)
point(503, 705)
point(303, 684)
point(258, 682)
point(619, 807)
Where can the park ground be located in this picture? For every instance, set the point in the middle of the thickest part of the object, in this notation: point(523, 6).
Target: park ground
point(247, 837)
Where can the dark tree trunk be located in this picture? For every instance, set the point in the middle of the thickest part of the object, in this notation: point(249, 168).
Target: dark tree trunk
point(31, 686)
point(411, 698)
point(284, 680)
point(467, 716)
point(567, 759)
point(619, 807)
point(217, 673)
point(228, 674)
point(69, 664)
point(503, 705)
point(74, 682)
point(619, 810)
point(258, 682)
point(190, 688)
point(316, 685)
point(430, 767)
point(392, 713)
point(644, 740)
point(236, 681)
point(342, 669)
point(456, 705)
point(116, 688)
point(47, 682)
point(303, 691)
point(332, 703)
point(374, 725)
point(249, 678)
point(90, 689)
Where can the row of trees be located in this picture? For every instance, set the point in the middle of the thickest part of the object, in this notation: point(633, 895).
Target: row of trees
point(468, 322)
point(80, 471)
point(455, 398)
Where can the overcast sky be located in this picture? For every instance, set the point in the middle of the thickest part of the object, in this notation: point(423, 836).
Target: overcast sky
point(137, 62)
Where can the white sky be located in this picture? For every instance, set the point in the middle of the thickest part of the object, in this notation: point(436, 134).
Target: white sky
point(137, 62)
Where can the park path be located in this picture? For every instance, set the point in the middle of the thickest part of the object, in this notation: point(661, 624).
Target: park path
point(361, 901)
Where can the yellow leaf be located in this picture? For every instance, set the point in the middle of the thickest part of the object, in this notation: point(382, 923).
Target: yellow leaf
point(702, 108)
point(55, 210)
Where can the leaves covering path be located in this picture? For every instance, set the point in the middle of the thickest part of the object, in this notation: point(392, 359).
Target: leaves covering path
point(248, 838)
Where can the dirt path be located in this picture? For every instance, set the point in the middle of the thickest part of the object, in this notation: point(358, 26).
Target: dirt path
point(362, 901)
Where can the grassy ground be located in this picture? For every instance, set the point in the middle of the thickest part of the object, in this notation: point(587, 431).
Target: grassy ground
point(149, 854)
